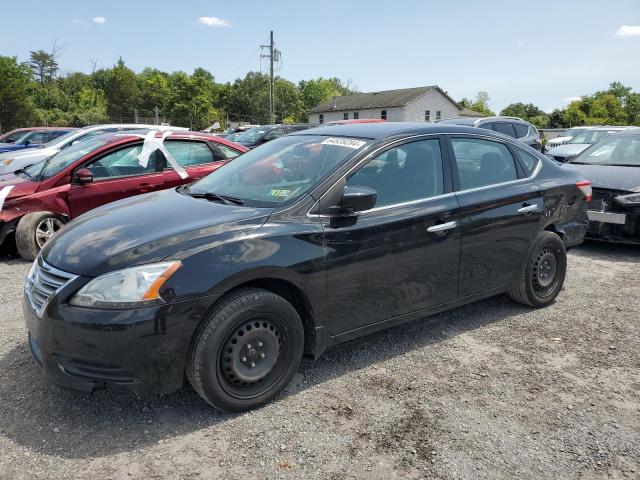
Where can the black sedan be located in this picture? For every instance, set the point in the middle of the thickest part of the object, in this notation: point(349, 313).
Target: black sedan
point(310, 240)
point(613, 166)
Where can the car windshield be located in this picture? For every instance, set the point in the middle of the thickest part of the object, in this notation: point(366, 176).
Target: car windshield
point(590, 136)
point(278, 171)
point(61, 160)
point(251, 136)
point(61, 138)
point(617, 151)
point(571, 132)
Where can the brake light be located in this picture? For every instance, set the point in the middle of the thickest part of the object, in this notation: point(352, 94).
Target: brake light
point(585, 188)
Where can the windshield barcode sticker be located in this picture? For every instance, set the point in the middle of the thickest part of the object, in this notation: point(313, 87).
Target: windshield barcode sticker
point(344, 142)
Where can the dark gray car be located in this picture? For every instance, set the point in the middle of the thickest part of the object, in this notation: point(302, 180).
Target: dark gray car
point(512, 126)
point(613, 166)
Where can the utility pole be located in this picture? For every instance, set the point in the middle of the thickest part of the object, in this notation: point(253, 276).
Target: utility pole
point(270, 56)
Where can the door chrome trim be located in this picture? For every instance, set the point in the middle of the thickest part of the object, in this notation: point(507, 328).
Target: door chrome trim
point(528, 209)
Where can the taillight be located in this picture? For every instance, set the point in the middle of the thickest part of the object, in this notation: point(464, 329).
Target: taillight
point(585, 188)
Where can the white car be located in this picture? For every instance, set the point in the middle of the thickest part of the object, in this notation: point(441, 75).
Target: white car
point(13, 161)
point(580, 142)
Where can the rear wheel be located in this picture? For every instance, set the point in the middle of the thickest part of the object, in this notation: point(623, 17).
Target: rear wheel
point(543, 273)
point(247, 352)
point(34, 230)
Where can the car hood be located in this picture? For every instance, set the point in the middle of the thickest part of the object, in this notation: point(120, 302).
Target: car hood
point(20, 186)
point(38, 152)
point(144, 229)
point(568, 149)
point(608, 176)
point(11, 147)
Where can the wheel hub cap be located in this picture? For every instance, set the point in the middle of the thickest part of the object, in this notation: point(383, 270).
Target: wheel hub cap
point(46, 229)
point(251, 353)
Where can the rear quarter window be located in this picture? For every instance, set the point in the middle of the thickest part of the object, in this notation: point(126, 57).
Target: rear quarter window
point(528, 160)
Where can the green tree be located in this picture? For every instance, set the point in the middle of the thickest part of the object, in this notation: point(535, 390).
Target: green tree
point(44, 65)
point(315, 91)
point(121, 90)
point(480, 104)
point(16, 108)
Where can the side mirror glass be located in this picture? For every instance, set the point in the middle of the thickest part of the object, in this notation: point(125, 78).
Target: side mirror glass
point(83, 176)
point(357, 199)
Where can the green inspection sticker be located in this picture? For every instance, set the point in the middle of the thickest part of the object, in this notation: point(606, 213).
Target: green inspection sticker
point(280, 193)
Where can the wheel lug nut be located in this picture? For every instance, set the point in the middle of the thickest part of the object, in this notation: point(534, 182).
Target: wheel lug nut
point(249, 346)
point(253, 364)
point(244, 359)
point(259, 344)
point(262, 355)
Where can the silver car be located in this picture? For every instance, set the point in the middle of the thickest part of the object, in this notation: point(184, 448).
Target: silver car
point(13, 161)
point(579, 143)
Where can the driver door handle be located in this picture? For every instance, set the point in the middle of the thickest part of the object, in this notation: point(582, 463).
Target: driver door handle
point(528, 208)
point(442, 227)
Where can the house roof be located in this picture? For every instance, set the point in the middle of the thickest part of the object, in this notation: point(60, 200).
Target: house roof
point(382, 99)
point(467, 112)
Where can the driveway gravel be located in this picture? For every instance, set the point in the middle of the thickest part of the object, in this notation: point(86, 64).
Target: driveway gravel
point(490, 390)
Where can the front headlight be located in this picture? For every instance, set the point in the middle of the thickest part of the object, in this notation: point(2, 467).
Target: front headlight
point(128, 288)
point(631, 199)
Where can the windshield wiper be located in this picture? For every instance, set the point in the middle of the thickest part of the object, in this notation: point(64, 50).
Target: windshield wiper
point(215, 197)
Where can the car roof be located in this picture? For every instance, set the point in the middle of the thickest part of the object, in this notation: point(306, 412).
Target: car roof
point(377, 131)
point(476, 120)
point(629, 131)
point(128, 135)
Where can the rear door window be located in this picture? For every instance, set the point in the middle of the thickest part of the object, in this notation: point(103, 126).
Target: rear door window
point(522, 130)
point(190, 154)
point(486, 126)
point(482, 162)
point(506, 128)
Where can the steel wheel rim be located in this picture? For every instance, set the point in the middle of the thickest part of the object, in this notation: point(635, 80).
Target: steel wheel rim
point(545, 272)
point(261, 342)
point(46, 229)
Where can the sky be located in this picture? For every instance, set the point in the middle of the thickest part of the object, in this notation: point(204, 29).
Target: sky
point(543, 51)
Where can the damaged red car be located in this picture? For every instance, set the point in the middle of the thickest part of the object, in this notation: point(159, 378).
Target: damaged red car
point(37, 201)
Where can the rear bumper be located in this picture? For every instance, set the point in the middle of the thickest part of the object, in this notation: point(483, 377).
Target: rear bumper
point(144, 349)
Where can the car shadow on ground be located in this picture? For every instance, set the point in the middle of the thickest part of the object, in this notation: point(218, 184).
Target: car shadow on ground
point(53, 421)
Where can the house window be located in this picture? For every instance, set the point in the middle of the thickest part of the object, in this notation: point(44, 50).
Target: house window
point(383, 114)
point(438, 115)
point(346, 115)
point(427, 116)
point(321, 118)
point(356, 115)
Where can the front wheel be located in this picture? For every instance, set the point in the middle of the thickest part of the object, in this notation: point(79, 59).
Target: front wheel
point(34, 230)
point(543, 273)
point(247, 352)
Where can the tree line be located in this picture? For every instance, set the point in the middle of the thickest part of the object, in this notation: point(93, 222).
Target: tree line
point(36, 92)
point(618, 105)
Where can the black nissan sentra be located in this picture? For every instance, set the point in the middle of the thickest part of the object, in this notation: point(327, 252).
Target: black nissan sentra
point(309, 240)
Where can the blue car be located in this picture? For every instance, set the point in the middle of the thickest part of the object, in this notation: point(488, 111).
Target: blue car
point(30, 138)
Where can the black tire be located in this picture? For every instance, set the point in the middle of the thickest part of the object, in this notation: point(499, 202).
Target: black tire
point(247, 351)
point(28, 232)
point(542, 275)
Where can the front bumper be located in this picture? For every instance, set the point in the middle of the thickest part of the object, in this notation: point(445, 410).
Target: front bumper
point(144, 349)
point(614, 227)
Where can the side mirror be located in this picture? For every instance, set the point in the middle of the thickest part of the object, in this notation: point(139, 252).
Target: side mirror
point(83, 176)
point(357, 199)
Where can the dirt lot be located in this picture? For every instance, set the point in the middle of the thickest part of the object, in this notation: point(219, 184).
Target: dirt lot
point(491, 390)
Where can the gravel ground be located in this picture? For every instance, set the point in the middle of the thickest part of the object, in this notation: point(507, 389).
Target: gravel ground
point(490, 390)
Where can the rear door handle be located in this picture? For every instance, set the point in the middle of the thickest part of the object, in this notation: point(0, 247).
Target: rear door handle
point(442, 227)
point(528, 209)
point(145, 187)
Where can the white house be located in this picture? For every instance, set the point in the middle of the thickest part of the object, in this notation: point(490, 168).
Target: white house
point(421, 104)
